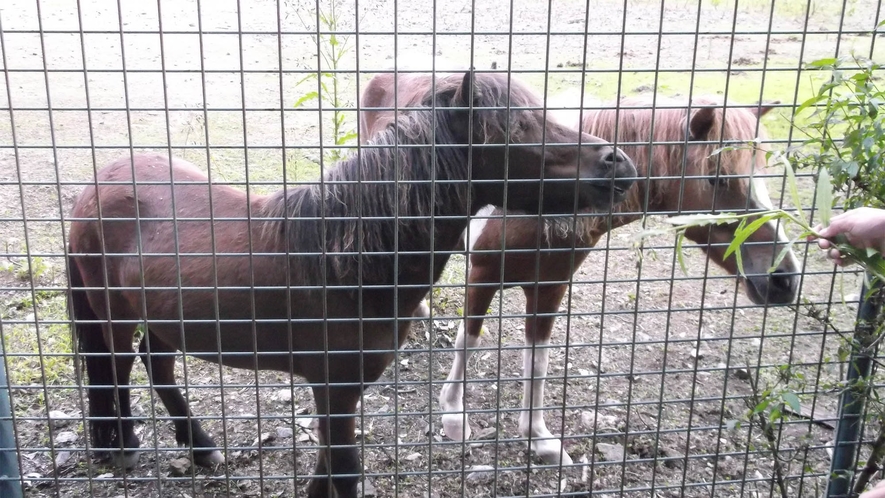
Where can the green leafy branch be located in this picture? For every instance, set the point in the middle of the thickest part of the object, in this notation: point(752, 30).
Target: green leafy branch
point(846, 129)
point(748, 223)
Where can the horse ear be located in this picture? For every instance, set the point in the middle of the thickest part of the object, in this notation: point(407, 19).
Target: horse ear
point(468, 93)
point(701, 122)
point(764, 109)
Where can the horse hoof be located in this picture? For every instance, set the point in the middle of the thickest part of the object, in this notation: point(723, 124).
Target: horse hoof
point(423, 310)
point(551, 452)
point(456, 427)
point(208, 458)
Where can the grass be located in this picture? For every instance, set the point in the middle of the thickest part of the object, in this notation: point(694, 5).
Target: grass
point(22, 343)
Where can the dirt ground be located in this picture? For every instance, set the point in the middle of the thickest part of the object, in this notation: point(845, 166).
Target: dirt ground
point(646, 360)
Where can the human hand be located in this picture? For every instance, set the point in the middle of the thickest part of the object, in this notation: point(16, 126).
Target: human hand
point(877, 492)
point(863, 228)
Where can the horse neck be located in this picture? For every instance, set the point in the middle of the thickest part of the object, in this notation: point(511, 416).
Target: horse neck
point(378, 208)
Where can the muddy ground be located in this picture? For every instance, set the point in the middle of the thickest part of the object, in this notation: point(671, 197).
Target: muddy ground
point(648, 360)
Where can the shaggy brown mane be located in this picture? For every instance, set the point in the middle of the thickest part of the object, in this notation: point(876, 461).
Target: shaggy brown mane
point(667, 127)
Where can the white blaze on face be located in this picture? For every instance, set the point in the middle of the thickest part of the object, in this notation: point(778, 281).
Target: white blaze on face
point(478, 224)
point(759, 195)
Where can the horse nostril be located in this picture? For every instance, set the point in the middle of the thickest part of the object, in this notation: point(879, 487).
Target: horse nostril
point(782, 279)
point(614, 157)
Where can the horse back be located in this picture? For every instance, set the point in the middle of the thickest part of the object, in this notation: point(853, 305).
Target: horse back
point(389, 90)
point(147, 205)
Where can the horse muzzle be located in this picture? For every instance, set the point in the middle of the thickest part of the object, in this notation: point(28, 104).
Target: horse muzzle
point(778, 287)
point(617, 175)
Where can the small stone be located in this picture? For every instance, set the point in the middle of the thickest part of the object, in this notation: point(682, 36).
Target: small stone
point(179, 466)
point(284, 432)
point(59, 418)
point(610, 452)
point(742, 373)
point(284, 395)
point(266, 437)
point(65, 437)
point(481, 473)
point(106, 475)
point(411, 457)
point(61, 458)
point(588, 419)
point(487, 433)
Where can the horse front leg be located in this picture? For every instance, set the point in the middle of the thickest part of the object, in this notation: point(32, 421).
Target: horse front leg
point(338, 463)
point(542, 300)
point(451, 397)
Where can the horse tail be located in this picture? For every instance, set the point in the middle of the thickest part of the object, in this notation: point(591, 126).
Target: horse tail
point(93, 355)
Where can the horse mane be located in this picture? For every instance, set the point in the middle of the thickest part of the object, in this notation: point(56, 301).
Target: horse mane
point(505, 106)
point(382, 198)
point(637, 125)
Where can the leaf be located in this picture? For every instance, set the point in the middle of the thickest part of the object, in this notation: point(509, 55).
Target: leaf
point(347, 137)
point(793, 185)
point(307, 97)
point(824, 200)
point(306, 78)
point(792, 400)
point(744, 232)
point(810, 102)
point(681, 257)
point(740, 235)
point(823, 62)
point(739, 259)
point(786, 250)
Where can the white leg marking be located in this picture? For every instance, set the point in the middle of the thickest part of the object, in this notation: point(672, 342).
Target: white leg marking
point(759, 193)
point(451, 398)
point(531, 421)
point(423, 310)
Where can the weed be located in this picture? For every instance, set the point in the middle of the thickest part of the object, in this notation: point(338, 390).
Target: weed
point(325, 87)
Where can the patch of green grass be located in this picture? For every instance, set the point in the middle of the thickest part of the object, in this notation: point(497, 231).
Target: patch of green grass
point(43, 301)
point(741, 87)
point(53, 366)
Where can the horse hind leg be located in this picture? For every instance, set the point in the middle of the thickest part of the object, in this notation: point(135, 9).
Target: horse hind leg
point(110, 416)
point(535, 362)
point(111, 425)
point(159, 359)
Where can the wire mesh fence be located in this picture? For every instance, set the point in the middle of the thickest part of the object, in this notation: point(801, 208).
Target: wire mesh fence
point(296, 174)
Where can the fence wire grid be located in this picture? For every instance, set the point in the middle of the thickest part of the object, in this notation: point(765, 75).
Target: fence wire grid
point(658, 381)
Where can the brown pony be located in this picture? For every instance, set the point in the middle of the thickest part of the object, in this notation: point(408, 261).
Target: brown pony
point(312, 280)
point(679, 173)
